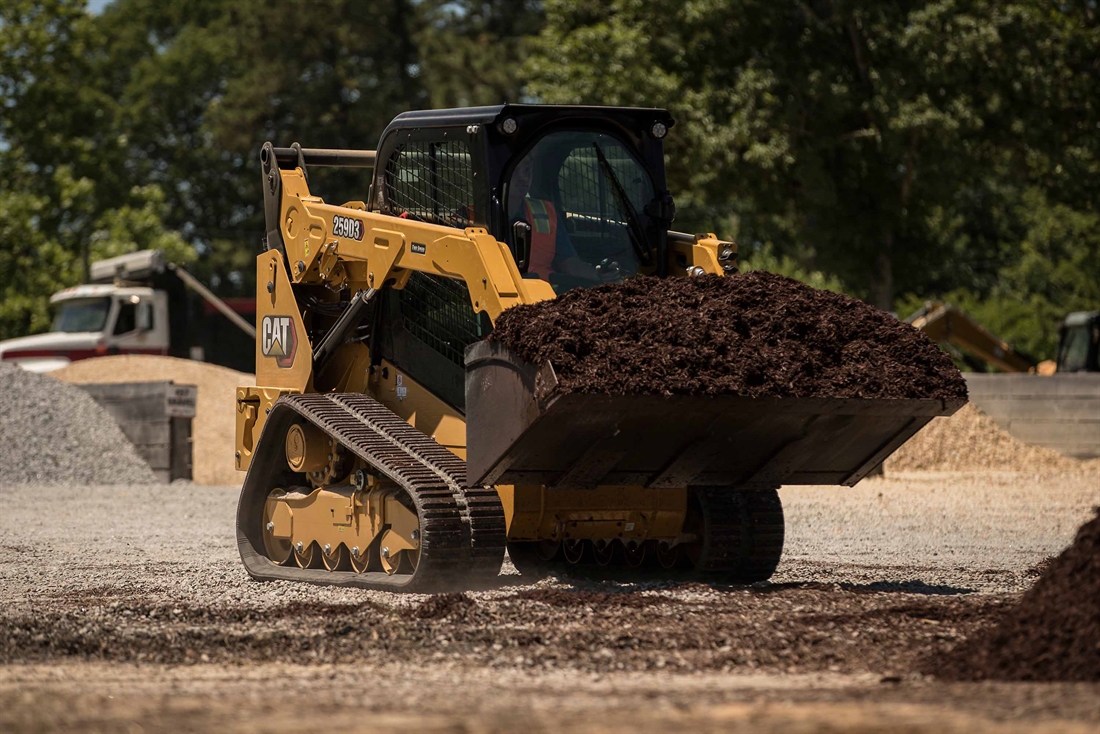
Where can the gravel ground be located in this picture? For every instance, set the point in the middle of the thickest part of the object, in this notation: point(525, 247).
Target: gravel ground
point(128, 604)
point(52, 432)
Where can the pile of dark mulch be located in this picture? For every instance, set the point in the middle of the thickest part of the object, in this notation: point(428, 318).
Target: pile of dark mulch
point(1053, 634)
point(755, 334)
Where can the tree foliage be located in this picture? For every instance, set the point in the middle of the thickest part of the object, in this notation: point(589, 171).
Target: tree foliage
point(899, 150)
point(890, 143)
point(66, 197)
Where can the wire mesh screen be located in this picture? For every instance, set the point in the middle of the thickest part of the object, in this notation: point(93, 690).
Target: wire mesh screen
point(437, 311)
point(592, 214)
point(431, 182)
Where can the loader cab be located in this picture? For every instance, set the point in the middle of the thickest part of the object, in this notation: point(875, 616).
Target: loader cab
point(577, 193)
point(575, 206)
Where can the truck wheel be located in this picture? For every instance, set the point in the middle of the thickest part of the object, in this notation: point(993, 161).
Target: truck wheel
point(739, 533)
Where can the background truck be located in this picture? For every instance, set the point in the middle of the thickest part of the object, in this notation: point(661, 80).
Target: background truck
point(138, 304)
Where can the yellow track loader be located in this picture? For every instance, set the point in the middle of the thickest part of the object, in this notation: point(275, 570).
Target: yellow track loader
point(388, 445)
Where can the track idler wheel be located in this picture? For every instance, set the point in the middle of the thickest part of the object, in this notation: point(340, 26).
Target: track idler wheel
point(667, 555)
point(278, 549)
point(635, 554)
point(306, 555)
point(362, 560)
point(572, 549)
point(400, 561)
point(605, 551)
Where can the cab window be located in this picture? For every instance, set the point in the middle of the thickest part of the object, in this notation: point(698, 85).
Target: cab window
point(127, 318)
point(583, 195)
point(1075, 349)
point(82, 314)
point(431, 182)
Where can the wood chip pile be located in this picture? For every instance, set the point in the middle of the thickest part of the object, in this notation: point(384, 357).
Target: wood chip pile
point(972, 441)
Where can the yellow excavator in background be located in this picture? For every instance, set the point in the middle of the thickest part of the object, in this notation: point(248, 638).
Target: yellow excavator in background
point(1078, 341)
point(947, 324)
point(389, 445)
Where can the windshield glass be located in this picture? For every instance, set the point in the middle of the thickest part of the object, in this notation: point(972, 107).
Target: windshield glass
point(82, 314)
point(1075, 349)
point(583, 195)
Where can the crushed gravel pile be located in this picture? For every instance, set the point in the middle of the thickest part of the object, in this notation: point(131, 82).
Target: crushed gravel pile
point(1053, 634)
point(214, 425)
point(56, 434)
point(969, 440)
point(754, 334)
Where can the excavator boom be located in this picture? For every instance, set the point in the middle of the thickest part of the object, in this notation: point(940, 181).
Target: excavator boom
point(945, 323)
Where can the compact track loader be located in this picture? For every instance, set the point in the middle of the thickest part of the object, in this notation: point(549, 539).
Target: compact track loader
point(389, 446)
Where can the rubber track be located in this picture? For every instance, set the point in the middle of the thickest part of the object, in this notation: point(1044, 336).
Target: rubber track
point(743, 543)
point(743, 533)
point(462, 535)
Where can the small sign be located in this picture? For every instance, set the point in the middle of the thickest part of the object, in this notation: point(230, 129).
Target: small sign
point(180, 401)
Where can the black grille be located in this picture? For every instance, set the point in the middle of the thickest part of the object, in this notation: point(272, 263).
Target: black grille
point(437, 311)
point(431, 182)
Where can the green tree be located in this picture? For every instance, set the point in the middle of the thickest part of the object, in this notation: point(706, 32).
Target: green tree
point(141, 127)
point(472, 52)
point(1057, 271)
point(858, 136)
point(65, 197)
point(203, 84)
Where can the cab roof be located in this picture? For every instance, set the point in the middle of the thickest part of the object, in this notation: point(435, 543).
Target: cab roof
point(1081, 318)
point(98, 290)
point(491, 114)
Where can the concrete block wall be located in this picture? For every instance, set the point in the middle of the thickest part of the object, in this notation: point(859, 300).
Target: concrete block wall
point(1061, 411)
point(151, 415)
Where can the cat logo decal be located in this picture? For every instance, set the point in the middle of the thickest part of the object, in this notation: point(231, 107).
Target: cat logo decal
point(278, 339)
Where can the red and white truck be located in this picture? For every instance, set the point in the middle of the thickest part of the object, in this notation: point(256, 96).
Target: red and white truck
point(137, 304)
